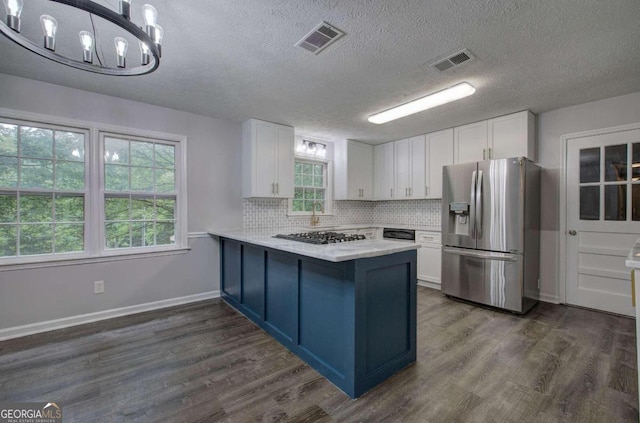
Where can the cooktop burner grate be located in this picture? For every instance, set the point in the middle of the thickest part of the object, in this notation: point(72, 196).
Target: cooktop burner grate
point(318, 237)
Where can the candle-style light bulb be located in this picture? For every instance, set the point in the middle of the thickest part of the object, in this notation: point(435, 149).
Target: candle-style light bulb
point(158, 33)
point(146, 53)
point(150, 17)
point(121, 51)
point(86, 40)
point(125, 9)
point(14, 9)
point(49, 27)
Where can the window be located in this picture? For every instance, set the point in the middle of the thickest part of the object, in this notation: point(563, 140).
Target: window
point(310, 187)
point(42, 189)
point(68, 192)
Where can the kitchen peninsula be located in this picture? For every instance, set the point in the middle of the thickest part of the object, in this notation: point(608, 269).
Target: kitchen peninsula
point(347, 309)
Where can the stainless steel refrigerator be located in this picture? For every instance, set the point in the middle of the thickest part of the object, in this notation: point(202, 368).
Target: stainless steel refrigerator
point(491, 232)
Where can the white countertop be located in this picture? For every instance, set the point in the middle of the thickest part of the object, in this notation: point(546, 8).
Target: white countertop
point(331, 252)
point(336, 228)
point(633, 259)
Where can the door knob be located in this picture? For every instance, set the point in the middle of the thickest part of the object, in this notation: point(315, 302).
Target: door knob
point(572, 232)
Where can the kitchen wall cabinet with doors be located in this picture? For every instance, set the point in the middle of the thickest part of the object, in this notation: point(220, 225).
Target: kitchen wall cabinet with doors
point(439, 153)
point(498, 138)
point(410, 168)
point(384, 171)
point(429, 264)
point(353, 171)
point(267, 153)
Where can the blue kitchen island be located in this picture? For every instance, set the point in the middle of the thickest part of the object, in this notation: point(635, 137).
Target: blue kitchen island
point(348, 310)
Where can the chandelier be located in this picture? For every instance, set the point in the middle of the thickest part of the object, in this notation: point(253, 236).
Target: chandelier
point(149, 37)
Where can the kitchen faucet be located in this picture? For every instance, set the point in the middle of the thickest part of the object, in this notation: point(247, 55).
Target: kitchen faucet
point(316, 219)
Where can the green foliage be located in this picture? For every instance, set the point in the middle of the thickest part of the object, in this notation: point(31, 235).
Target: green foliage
point(8, 139)
point(36, 143)
point(36, 239)
point(8, 208)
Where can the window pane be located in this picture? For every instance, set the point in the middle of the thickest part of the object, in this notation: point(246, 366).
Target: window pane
point(298, 193)
point(307, 168)
point(165, 233)
point(297, 180)
point(590, 165)
point(165, 156)
point(70, 175)
point(142, 209)
point(142, 234)
point(36, 208)
point(615, 202)
point(36, 173)
point(320, 194)
point(36, 239)
point(635, 202)
point(116, 151)
point(298, 167)
point(141, 153)
point(36, 142)
point(317, 181)
point(317, 170)
point(307, 180)
point(636, 162)
point(69, 238)
point(590, 203)
point(8, 139)
point(8, 208)
point(308, 205)
point(117, 235)
point(8, 172)
point(116, 178)
point(615, 162)
point(165, 180)
point(309, 194)
point(298, 205)
point(116, 208)
point(8, 240)
point(142, 179)
point(166, 209)
point(69, 208)
point(69, 146)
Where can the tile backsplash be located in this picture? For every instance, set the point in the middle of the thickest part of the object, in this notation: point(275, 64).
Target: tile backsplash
point(272, 213)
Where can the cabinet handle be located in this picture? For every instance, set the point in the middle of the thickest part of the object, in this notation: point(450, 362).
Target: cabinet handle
point(410, 192)
point(273, 188)
point(484, 154)
point(391, 192)
point(277, 188)
point(426, 191)
point(490, 153)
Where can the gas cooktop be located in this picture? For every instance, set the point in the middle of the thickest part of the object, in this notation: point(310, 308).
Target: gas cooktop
point(321, 237)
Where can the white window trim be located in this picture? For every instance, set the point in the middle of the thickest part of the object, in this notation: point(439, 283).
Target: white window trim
point(94, 216)
point(328, 202)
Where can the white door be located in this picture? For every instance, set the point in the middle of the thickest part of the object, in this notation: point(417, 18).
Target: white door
point(470, 142)
point(402, 154)
point(266, 147)
point(603, 219)
point(439, 148)
point(384, 171)
point(284, 162)
point(417, 165)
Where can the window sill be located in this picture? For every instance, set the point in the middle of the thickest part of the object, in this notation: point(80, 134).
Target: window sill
point(308, 214)
point(72, 261)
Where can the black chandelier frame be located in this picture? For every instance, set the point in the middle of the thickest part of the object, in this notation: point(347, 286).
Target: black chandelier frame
point(107, 14)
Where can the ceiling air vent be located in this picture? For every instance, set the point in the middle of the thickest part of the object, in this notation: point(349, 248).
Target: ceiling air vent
point(456, 59)
point(320, 38)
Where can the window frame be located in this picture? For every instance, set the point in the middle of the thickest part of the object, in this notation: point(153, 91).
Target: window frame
point(328, 201)
point(94, 239)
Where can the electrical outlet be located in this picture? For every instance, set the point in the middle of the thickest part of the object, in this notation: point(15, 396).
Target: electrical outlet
point(98, 287)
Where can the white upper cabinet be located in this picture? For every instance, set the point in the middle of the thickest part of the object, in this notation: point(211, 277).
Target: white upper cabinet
point(353, 171)
point(505, 136)
point(410, 168)
point(384, 171)
point(512, 136)
point(439, 153)
point(267, 150)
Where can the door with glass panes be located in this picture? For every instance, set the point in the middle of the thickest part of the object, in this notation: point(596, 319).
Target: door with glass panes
point(603, 219)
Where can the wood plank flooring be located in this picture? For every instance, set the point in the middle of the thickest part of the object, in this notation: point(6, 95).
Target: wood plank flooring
point(205, 362)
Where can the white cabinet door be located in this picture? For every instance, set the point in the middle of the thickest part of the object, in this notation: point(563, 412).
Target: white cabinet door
point(512, 136)
point(361, 158)
point(267, 150)
point(284, 162)
point(470, 142)
point(429, 263)
point(418, 167)
point(384, 171)
point(439, 153)
point(402, 154)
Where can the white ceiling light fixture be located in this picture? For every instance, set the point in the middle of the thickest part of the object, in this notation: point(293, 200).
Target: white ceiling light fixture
point(432, 100)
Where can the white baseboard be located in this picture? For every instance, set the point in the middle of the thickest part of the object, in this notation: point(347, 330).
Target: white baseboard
point(553, 299)
point(428, 284)
point(33, 328)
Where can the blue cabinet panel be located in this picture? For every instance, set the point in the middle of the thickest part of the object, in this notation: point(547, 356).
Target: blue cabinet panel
point(231, 268)
point(324, 313)
point(387, 315)
point(253, 279)
point(281, 294)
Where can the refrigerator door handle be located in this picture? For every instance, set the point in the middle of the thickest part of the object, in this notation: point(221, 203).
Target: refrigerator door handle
point(485, 255)
point(479, 205)
point(472, 206)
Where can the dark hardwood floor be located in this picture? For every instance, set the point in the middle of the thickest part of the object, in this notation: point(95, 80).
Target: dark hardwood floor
point(206, 362)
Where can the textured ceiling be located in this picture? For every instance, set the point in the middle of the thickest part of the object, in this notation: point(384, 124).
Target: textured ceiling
point(235, 59)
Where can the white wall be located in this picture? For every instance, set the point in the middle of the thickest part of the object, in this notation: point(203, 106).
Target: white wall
point(214, 193)
point(552, 126)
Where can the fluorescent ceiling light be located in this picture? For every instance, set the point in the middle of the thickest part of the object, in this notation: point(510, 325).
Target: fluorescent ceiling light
point(432, 100)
